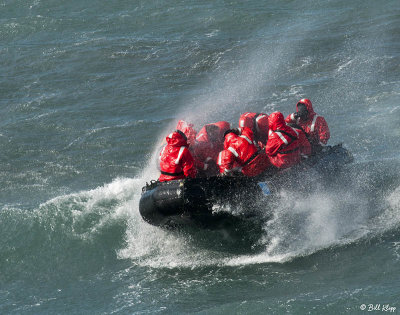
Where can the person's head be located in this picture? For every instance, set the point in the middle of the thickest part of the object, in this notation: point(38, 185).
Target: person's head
point(230, 135)
point(177, 138)
point(258, 123)
point(246, 120)
point(188, 130)
point(304, 109)
point(234, 131)
point(212, 132)
point(276, 121)
point(182, 134)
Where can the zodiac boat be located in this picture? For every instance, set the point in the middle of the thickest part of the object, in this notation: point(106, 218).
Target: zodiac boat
point(193, 201)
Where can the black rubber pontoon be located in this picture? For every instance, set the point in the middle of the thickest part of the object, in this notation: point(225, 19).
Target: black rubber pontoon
point(191, 201)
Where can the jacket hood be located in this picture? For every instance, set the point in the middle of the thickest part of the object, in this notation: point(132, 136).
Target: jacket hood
point(176, 139)
point(248, 132)
point(229, 138)
point(309, 106)
point(247, 120)
point(223, 126)
point(276, 121)
point(188, 130)
point(217, 128)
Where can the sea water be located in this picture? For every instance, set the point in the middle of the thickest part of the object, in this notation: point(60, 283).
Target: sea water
point(88, 90)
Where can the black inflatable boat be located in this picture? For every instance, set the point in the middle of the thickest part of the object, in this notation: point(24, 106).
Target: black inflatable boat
point(196, 201)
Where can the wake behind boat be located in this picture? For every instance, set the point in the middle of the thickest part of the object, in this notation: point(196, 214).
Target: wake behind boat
point(198, 201)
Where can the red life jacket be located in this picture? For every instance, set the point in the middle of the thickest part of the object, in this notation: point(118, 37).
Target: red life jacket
point(283, 143)
point(241, 153)
point(315, 127)
point(258, 123)
point(176, 161)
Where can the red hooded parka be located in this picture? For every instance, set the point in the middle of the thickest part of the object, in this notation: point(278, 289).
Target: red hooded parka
point(258, 123)
point(283, 143)
point(209, 142)
point(176, 161)
point(241, 153)
point(315, 126)
point(188, 130)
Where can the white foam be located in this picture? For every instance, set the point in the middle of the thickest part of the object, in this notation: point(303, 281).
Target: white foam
point(85, 213)
point(301, 225)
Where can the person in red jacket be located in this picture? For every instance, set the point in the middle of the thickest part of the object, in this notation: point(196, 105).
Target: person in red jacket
point(283, 142)
point(209, 142)
point(176, 161)
point(241, 154)
point(190, 133)
point(258, 123)
point(315, 127)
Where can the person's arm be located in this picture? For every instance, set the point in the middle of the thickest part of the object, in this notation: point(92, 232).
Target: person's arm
point(226, 160)
point(323, 130)
point(188, 166)
point(273, 146)
point(291, 118)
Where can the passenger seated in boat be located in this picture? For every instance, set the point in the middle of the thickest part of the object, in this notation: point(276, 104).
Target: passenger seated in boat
point(282, 147)
point(190, 133)
point(315, 126)
point(208, 144)
point(241, 155)
point(176, 161)
point(258, 123)
point(304, 144)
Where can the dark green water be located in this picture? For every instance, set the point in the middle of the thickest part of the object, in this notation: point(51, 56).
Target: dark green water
point(89, 88)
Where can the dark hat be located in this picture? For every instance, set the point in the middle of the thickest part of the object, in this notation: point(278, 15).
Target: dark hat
point(182, 134)
point(235, 131)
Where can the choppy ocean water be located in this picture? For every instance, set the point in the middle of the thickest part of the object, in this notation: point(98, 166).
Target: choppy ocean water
point(89, 88)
